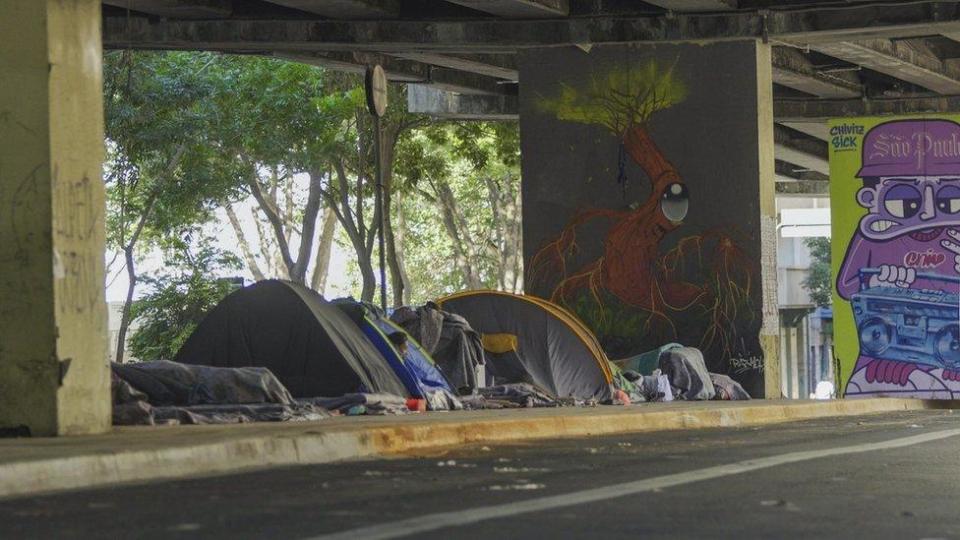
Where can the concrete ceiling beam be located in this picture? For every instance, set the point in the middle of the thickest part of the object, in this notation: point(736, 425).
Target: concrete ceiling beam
point(807, 110)
point(501, 66)
point(404, 71)
point(695, 5)
point(345, 9)
point(518, 9)
point(178, 9)
point(795, 148)
point(803, 188)
point(816, 129)
point(422, 99)
point(897, 59)
point(792, 69)
point(494, 35)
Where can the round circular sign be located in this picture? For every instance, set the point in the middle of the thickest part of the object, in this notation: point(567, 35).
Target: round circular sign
point(376, 88)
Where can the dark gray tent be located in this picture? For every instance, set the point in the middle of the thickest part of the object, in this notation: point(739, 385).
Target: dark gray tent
point(528, 339)
point(309, 344)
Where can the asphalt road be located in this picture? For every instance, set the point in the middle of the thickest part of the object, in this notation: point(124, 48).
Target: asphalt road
point(880, 476)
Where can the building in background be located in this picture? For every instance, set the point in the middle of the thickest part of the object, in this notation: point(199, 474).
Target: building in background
point(806, 330)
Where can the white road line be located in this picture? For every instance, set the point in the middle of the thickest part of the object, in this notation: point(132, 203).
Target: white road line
point(466, 516)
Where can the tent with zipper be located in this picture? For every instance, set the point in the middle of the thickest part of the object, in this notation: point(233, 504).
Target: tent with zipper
point(313, 347)
point(528, 339)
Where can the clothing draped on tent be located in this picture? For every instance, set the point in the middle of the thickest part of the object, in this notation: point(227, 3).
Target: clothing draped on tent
point(449, 339)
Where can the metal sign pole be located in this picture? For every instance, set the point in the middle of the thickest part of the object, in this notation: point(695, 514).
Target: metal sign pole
point(377, 146)
point(376, 90)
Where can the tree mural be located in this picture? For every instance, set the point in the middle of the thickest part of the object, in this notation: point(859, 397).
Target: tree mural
point(647, 281)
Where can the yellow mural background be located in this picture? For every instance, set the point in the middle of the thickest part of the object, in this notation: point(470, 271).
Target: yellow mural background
point(845, 215)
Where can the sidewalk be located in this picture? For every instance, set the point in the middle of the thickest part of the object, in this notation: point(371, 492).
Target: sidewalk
point(137, 454)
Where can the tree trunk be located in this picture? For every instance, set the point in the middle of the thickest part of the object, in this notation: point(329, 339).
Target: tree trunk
point(399, 237)
point(307, 229)
point(321, 269)
point(361, 237)
point(130, 246)
point(269, 209)
point(273, 270)
point(128, 253)
point(398, 275)
point(282, 224)
point(515, 238)
point(459, 236)
point(498, 208)
point(244, 245)
point(125, 317)
point(368, 276)
point(510, 233)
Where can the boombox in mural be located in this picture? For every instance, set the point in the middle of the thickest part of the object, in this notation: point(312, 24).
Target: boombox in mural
point(901, 270)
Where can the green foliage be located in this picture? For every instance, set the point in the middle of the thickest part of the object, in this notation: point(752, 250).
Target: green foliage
point(189, 132)
point(620, 98)
point(819, 282)
point(479, 163)
point(178, 301)
point(283, 114)
point(163, 167)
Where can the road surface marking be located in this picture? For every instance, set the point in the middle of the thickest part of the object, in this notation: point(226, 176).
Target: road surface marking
point(467, 516)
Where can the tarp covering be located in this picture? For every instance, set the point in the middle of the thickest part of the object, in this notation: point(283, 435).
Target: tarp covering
point(309, 344)
point(727, 388)
point(449, 339)
point(170, 383)
point(164, 392)
point(553, 349)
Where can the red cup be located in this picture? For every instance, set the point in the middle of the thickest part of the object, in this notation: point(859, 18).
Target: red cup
point(417, 405)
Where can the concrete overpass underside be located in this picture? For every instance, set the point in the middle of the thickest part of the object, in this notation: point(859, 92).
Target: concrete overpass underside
point(459, 58)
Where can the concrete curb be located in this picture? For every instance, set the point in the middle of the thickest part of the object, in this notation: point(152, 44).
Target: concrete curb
point(236, 449)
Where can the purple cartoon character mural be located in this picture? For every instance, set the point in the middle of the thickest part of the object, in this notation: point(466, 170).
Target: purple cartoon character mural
point(901, 272)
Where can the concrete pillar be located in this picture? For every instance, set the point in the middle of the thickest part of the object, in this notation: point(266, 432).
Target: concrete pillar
point(769, 328)
point(54, 377)
point(648, 198)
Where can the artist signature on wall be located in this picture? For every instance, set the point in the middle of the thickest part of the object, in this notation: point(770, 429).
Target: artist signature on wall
point(745, 364)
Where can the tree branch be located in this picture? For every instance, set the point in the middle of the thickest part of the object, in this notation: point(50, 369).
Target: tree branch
point(274, 218)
